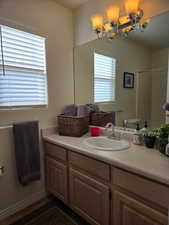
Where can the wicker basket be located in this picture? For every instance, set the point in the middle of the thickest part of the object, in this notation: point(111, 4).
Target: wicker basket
point(72, 125)
point(101, 118)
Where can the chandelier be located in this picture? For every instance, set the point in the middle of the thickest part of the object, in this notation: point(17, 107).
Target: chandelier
point(116, 25)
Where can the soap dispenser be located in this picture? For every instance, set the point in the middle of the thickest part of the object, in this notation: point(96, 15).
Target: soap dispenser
point(144, 130)
point(137, 136)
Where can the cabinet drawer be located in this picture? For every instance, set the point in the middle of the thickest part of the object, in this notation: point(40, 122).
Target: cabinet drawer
point(92, 166)
point(55, 151)
point(144, 188)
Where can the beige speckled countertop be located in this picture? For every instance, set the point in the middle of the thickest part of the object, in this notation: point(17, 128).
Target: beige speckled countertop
point(137, 159)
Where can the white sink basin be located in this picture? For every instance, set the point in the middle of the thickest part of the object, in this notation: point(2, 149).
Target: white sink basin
point(103, 143)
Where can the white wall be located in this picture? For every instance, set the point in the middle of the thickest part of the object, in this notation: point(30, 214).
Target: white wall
point(47, 18)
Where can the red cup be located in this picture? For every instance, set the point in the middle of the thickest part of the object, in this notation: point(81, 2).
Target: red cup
point(95, 131)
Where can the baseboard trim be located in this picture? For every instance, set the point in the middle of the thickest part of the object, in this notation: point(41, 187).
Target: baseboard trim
point(22, 204)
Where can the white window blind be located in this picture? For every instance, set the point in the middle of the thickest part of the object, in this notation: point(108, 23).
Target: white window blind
point(104, 78)
point(22, 69)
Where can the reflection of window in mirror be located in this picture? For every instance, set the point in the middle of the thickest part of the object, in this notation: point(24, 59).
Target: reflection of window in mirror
point(104, 78)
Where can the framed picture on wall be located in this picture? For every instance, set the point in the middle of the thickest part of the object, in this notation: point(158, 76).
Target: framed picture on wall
point(128, 80)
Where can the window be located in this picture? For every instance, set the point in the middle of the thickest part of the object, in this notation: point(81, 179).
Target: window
point(22, 69)
point(104, 78)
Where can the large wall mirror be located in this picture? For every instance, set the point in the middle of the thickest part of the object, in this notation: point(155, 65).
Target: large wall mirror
point(126, 75)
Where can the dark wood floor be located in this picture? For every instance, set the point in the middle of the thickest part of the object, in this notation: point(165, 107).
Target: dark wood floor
point(26, 213)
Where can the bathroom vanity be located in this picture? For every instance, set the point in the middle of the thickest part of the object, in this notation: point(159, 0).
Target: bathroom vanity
point(129, 187)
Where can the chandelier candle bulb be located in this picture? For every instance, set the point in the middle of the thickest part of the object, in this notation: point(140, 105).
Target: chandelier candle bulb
point(113, 15)
point(131, 6)
point(97, 22)
point(107, 27)
point(123, 19)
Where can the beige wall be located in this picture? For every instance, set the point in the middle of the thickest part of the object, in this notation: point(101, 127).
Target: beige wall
point(159, 85)
point(53, 21)
point(83, 14)
point(130, 57)
point(143, 96)
point(152, 89)
point(167, 99)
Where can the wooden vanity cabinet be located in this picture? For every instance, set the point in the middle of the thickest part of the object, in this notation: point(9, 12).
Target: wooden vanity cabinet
point(129, 211)
point(89, 198)
point(102, 194)
point(138, 201)
point(56, 178)
point(88, 188)
point(56, 171)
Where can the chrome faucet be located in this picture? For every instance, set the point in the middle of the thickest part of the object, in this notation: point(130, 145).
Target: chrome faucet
point(125, 124)
point(112, 127)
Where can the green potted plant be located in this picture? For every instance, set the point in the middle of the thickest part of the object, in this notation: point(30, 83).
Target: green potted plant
point(162, 137)
point(149, 139)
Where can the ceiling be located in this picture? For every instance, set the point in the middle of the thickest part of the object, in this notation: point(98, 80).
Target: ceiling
point(72, 3)
point(156, 35)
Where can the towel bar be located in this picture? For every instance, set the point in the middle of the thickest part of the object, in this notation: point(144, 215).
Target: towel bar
point(6, 126)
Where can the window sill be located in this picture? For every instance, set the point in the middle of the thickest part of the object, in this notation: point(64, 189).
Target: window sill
point(40, 107)
point(105, 103)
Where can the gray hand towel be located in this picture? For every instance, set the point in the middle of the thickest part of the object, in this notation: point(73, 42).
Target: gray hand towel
point(93, 108)
point(27, 154)
point(82, 110)
point(70, 110)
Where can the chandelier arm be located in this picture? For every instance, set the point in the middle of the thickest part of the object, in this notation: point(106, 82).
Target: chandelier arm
point(130, 23)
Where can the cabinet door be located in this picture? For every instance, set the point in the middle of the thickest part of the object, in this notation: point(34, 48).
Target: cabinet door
point(128, 211)
point(89, 198)
point(56, 178)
